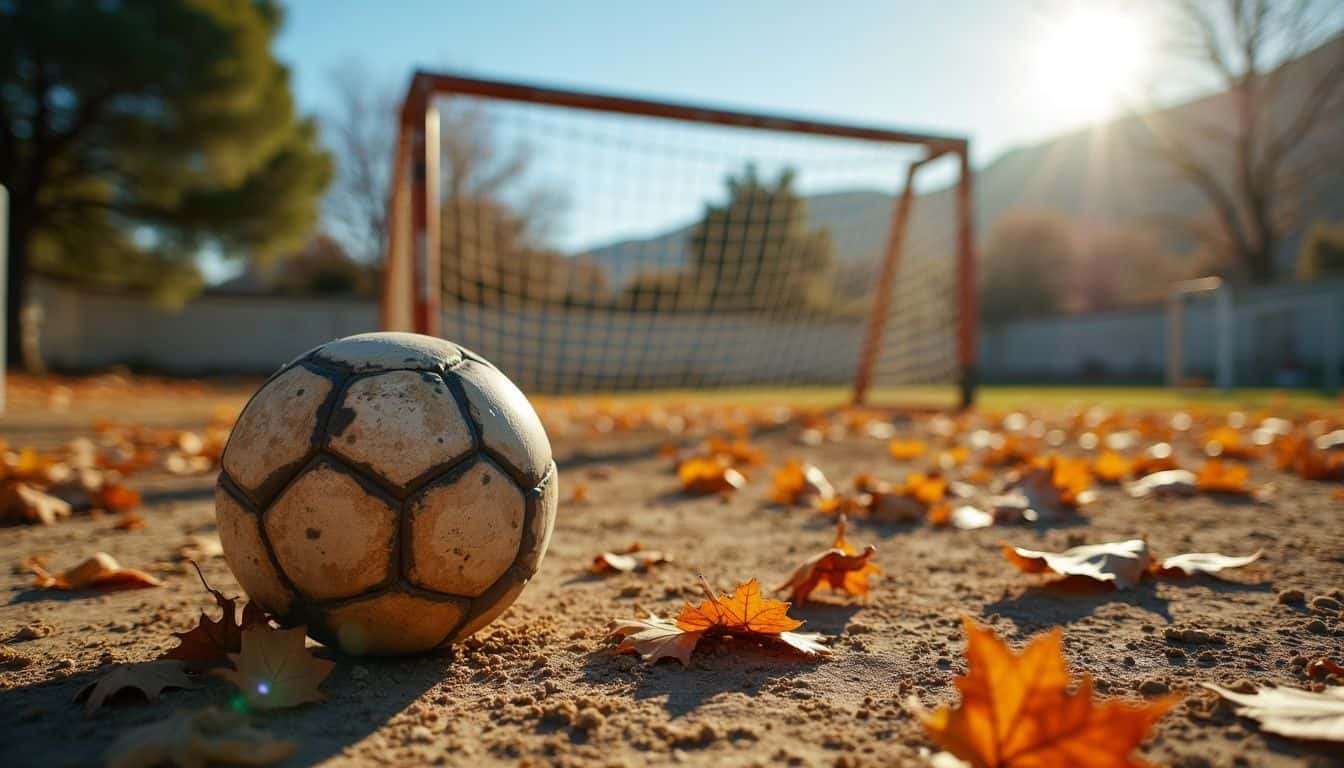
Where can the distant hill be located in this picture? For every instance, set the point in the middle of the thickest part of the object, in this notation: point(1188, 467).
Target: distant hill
point(1103, 174)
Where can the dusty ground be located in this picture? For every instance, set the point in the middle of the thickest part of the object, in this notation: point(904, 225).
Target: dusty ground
point(540, 687)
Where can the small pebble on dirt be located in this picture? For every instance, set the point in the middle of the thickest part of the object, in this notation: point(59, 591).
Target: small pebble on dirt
point(1292, 597)
point(1325, 604)
point(1153, 687)
point(1317, 627)
point(1191, 635)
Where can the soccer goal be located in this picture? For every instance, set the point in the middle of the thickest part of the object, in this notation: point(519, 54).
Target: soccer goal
point(589, 243)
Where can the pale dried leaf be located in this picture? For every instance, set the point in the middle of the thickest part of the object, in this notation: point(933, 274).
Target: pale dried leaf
point(275, 668)
point(1168, 482)
point(1121, 563)
point(20, 502)
point(149, 678)
point(656, 638)
point(808, 643)
point(102, 571)
point(1206, 562)
point(1292, 712)
point(195, 740)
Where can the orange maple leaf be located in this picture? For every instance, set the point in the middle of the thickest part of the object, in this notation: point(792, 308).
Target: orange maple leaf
point(1022, 709)
point(841, 568)
point(744, 611)
point(1219, 477)
point(796, 483)
point(1111, 467)
point(905, 450)
point(709, 474)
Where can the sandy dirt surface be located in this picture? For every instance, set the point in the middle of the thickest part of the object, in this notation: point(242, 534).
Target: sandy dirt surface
point(540, 685)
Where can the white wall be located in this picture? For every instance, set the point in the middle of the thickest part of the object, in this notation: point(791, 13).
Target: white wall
point(1275, 328)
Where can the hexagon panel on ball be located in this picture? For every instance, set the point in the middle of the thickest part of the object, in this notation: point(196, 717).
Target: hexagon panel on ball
point(388, 491)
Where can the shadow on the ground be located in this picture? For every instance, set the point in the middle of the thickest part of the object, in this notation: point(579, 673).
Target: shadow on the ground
point(56, 732)
point(727, 665)
point(1071, 598)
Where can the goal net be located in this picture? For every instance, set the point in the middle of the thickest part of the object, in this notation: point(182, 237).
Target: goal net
point(589, 243)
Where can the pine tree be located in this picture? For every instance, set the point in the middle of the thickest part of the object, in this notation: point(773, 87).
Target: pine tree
point(136, 134)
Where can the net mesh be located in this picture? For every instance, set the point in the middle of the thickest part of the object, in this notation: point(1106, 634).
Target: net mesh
point(588, 251)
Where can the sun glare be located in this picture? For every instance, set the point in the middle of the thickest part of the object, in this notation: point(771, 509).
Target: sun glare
point(1091, 60)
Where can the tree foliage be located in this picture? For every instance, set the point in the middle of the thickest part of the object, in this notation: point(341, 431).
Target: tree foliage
point(1025, 266)
point(137, 134)
point(1322, 253)
point(759, 250)
point(1283, 77)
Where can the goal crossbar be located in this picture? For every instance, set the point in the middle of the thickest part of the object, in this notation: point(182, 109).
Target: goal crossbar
point(411, 297)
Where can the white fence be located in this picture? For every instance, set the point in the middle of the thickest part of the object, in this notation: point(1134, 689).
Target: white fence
point(1290, 334)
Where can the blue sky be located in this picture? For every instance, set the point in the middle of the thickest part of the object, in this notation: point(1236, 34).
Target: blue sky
point(1004, 72)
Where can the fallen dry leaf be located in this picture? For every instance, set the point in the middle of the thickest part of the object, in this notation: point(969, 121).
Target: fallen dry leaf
point(1217, 476)
point(1166, 482)
point(129, 520)
point(962, 517)
point(841, 568)
point(1207, 563)
point(115, 497)
point(1122, 563)
point(655, 638)
point(905, 450)
point(1022, 710)
point(1111, 467)
point(275, 669)
point(1323, 666)
point(211, 641)
point(632, 558)
point(1292, 712)
point(709, 474)
point(23, 503)
point(199, 547)
point(101, 571)
point(745, 614)
point(150, 678)
point(799, 483)
point(197, 739)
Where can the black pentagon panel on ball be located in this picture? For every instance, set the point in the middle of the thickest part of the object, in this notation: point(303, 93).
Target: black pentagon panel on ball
point(388, 351)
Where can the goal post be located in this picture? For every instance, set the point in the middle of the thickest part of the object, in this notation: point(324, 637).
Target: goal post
point(592, 242)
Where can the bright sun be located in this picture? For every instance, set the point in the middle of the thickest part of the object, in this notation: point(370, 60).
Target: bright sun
point(1092, 58)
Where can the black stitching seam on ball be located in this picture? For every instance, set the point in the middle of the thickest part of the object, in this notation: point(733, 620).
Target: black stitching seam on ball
point(314, 356)
point(297, 613)
point(269, 489)
point(530, 543)
point(487, 600)
point(515, 575)
point(518, 475)
point(334, 463)
point(459, 393)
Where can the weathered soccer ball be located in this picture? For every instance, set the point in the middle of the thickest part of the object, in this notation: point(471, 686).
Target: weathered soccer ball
point(393, 492)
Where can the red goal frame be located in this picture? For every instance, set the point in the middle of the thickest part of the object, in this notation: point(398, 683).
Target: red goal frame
point(411, 284)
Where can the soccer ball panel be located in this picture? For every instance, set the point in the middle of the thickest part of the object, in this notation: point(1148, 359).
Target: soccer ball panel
point(331, 536)
point(400, 424)
point(509, 427)
point(386, 351)
point(245, 552)
point(465, 533)
point(275, 431)
point(540, 525)
point(391, 623)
